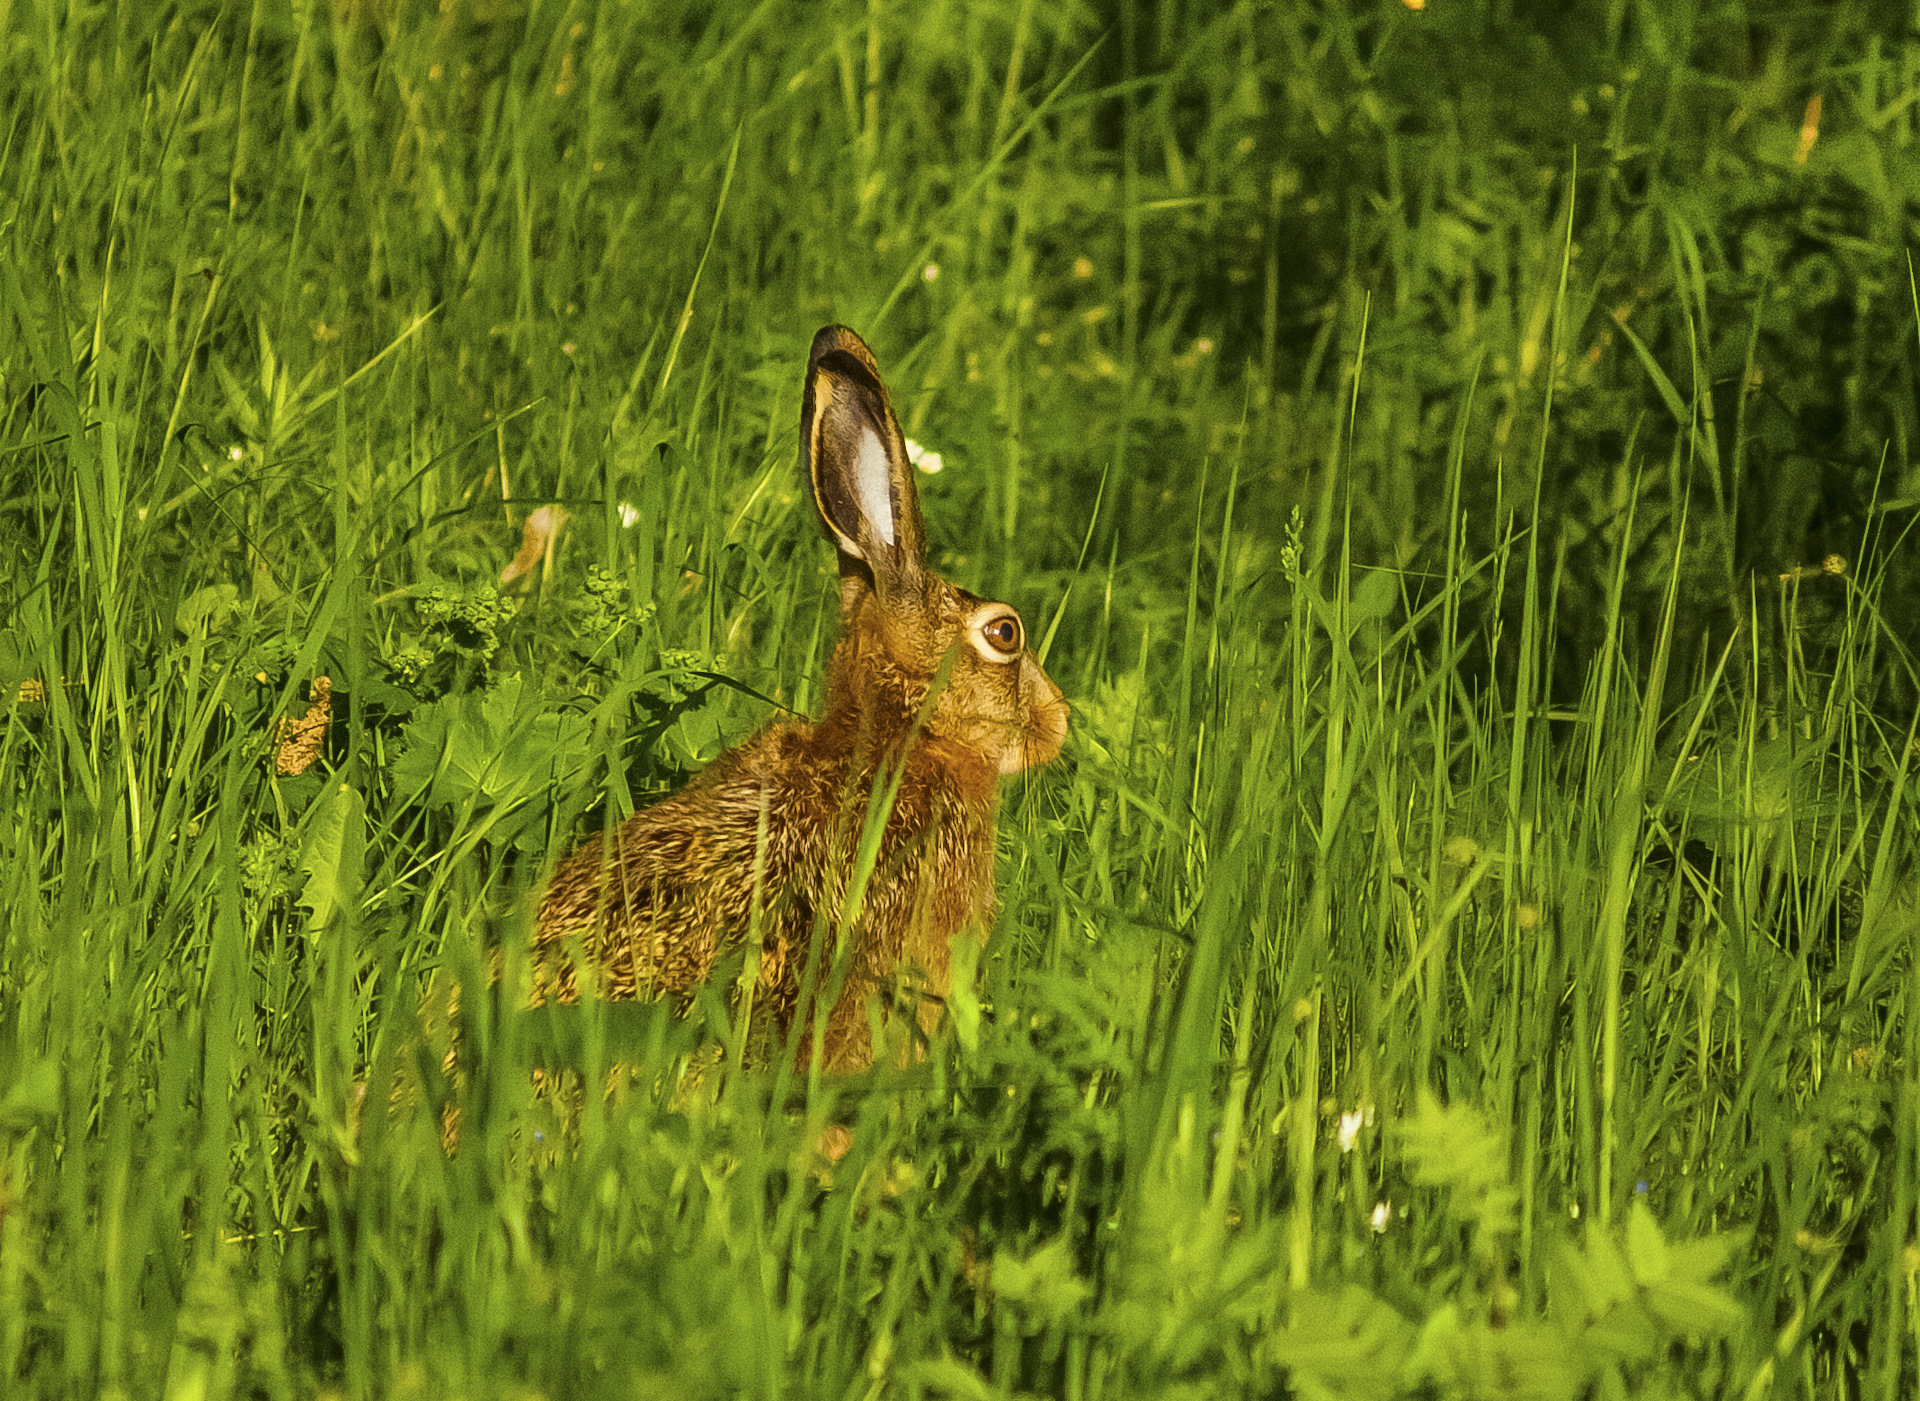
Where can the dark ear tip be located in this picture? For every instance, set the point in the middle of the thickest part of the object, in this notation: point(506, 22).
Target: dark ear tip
point(831, 339)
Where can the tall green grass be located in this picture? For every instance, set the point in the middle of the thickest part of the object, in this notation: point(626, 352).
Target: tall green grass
point(1467, 948)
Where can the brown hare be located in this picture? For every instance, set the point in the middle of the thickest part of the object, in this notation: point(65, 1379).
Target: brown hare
point(932, 697)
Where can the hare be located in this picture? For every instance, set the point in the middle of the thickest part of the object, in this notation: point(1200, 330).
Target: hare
point(932, 697)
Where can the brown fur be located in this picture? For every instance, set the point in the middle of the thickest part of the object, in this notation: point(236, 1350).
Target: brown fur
point(654, 906)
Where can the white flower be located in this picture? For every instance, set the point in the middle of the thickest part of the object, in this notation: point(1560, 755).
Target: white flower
point(629, 515)
point(927, 461)
point(1349, 1129)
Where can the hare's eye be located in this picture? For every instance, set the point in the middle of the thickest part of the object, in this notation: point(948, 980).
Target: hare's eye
point(1002, 634)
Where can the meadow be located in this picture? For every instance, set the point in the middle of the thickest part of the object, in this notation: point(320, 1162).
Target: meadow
point(1457, 460)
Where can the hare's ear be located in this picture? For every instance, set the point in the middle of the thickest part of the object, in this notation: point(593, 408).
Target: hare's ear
point(857, 463)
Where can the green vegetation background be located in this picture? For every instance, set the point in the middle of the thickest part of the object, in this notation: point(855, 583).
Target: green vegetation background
point(1467, 947)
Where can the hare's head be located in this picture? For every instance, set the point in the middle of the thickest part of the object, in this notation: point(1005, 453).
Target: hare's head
point(900, 622)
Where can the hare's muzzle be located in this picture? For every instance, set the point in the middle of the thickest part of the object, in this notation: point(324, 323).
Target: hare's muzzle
point(1045, 729)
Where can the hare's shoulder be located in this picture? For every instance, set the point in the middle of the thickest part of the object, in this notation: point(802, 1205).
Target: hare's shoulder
point(782, 777)
point(788, 762)
point(696, 848)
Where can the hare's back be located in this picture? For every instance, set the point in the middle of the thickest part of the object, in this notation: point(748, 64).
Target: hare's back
point(655, 903)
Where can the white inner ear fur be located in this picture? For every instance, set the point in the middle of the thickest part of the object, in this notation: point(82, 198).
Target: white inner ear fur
point(871, 477)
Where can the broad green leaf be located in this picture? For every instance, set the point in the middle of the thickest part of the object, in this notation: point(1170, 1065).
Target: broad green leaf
point(1646, 1245)
point(206, 610)
point(331, 854)
point(1695, 1310)
point(488, 754)
point(1042, 1286)
point(1343, 1343)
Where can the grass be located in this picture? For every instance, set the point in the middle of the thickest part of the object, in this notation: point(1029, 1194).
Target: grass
point(1467, 947)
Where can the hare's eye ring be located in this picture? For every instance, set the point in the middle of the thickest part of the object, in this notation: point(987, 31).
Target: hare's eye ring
point(1003, 634)
point(994, 632)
